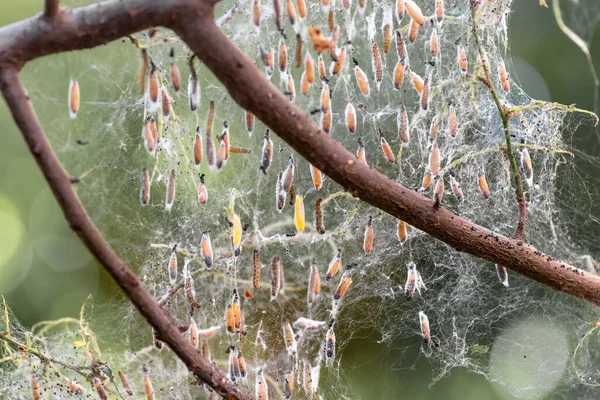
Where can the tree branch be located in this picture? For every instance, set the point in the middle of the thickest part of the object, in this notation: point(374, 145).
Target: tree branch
point(95, 25)
point(51, 8)
point(60, 183)
point(247, 85)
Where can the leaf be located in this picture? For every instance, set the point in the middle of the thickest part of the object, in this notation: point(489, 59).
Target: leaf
point(479, 349)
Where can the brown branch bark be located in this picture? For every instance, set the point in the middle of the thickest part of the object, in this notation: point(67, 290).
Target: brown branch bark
point(51, 8)
point(248, 87)
point(95, 25)
point(60, 183)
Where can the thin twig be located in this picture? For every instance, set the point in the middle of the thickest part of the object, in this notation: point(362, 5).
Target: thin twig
point(51, 8)
point(44, 358)
point(518, 182)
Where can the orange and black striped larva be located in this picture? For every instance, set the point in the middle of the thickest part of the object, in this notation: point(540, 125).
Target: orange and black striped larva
point(438, 192)
point(170, 197)
point(439, 10)
point(280, 194)
point(377, 63)
point(483, 186)
point(314, 284)
point(144, 187)
point(398, 75)
point(172, 266)
point(143, 74)
point(334, 265)
point(400, 8)
point(287, 178)
point(414, 11)
point(319, 226)
point(452, 121)
point(267, 153)
point(413, 31)
point(462, 59)
point(148, 388)
point(424, 322)
point(288, 385)
point(344, 284)
point(175, 74)
point(230, 319)
point(401, 48)
point(322, 70)
point(360, 152)
point(210, 144)
point(403, 125)
point(350, 118)
point(387, 150)
point(325, 98)
point(301, 8)
point(202, 191)
point(262, 390)
point(291, 11)
point(193, 333)
point(317, 177)
point(198, 147)
point(426, 180)
point(456, 189)
point(362, 80)
point(309, 67)
point(503, 75)
point(276, 270)
point(433, 130)
point(97, 383)
point(36, 393)
point(330, 346)
point(153, 85)
point(206, 250)
point(126, 386)
point(249, 120)
point(289, 338)
point(336, 66)
point(304, 84)
point(417, 82)
point(74, 98)
point(256, 13)
point(527, 167)
point(402, 231)
point(425, 94)
point(369, 236)
point(277, 10)
point(434, 158)
point(165, 102)
point(282, 56)
point(434, 44)
point(193, 91)
point(502, 274)
point(256, 269)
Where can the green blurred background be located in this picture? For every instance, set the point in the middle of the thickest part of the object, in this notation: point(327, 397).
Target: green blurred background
point(46, 273)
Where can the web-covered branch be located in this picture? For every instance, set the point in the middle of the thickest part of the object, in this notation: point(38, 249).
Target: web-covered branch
point(60, 182)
